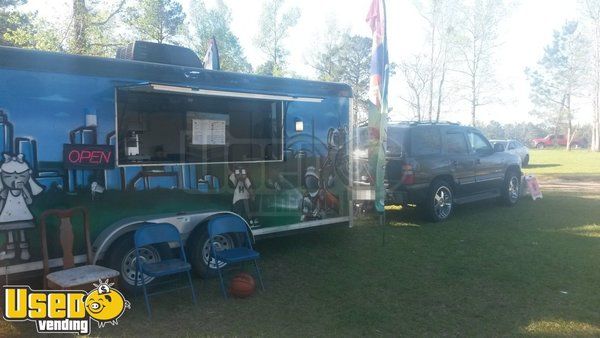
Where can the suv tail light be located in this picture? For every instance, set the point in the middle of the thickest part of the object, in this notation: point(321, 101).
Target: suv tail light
point(408, 174)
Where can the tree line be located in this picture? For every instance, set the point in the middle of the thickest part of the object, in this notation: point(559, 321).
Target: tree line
point(525, 132)
point(456, 61)
point(566, 80)
point(456, 67)
point(100, 27)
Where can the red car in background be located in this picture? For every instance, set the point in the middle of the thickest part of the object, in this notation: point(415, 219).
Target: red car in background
point(560, 140)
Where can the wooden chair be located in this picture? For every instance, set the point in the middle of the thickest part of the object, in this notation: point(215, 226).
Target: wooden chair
point(71, 277)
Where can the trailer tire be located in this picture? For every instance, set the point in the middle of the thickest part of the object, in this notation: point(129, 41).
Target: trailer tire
point(198, 254)
point(122, 258)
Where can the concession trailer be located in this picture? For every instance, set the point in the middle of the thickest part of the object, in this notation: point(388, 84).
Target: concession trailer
point(151, 136)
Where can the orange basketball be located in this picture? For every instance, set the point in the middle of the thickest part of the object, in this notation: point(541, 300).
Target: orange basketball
point(242, 285)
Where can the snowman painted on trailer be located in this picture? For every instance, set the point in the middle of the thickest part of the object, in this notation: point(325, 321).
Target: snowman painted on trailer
point(17, 188)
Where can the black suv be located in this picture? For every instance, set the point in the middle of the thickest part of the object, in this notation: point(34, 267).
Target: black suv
point(438, 165)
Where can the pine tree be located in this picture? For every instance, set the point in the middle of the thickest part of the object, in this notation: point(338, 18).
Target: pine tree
point(275, 25)
point(215, 22)
point(558, 77)
point(156, 20)
point(346, 59)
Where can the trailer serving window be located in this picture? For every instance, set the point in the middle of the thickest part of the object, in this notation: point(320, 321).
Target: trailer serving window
point(158, 124)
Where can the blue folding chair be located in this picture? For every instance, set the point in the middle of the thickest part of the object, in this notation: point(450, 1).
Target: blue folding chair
point(153, 233)
point(232, 225)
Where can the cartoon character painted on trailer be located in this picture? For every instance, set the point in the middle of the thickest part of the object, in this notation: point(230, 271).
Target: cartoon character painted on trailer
point(243, 195)
point(319, 201)
point(17, 187)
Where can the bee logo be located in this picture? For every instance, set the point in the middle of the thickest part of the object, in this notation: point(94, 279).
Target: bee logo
point(105, 304)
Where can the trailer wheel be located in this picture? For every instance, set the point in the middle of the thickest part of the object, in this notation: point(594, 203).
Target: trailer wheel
point(199, 249)
point(123, 259)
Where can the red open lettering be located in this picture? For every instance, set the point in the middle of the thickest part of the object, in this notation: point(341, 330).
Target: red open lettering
point(74, 156)
point(95, 157)
point(105, 156)
point(85, 156)
point(89, 156)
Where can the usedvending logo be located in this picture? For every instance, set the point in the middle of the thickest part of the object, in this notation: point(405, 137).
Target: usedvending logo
point(64, 311)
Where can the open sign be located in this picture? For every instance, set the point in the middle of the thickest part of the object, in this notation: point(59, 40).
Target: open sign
point(87, 156)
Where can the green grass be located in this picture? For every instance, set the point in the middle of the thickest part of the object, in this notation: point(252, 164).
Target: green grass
point(489, 271)
point(560, 163)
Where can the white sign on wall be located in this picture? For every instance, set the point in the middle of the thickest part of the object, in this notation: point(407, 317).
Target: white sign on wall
point(208, 132)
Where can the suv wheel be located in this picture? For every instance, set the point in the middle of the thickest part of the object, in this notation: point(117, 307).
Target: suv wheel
point(512, 188)
point(440, 201)
point(540, 145)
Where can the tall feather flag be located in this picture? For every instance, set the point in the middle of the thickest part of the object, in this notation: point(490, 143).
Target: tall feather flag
point(378, 107)
point(211, 59)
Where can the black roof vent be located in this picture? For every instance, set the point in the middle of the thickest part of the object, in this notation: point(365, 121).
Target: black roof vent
point(159, 53)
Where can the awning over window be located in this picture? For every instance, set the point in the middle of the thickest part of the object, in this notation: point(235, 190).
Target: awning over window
point(164, 88)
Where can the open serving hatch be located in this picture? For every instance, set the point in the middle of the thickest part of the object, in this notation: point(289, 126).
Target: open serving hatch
point(165, 124)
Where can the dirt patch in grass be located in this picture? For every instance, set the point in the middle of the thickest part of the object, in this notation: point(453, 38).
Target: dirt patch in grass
point(587, 185)
point(570, 184)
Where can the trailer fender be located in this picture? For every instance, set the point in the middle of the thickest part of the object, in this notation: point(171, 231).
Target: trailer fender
point(204, 223)
point(186, 223)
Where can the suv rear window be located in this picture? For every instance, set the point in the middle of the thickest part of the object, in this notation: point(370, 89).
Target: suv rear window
point(395, 141)
point(425, 140)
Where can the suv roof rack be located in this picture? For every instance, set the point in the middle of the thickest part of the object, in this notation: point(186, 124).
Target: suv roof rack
point(364, 124)
point(425, 122)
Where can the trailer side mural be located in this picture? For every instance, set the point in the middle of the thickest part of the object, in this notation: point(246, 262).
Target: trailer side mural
point(147, 144)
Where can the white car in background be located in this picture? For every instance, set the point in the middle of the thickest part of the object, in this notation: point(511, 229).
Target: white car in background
point(514, 147)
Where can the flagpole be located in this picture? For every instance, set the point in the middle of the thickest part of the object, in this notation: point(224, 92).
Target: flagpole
point(378, 109)
point(384, 111)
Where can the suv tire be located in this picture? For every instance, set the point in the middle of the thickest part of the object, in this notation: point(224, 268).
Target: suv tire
point(511, 189)
point(439, 202)
point(540, 145)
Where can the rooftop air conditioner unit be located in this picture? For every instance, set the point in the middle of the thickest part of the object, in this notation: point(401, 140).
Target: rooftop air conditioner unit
point(159, 53)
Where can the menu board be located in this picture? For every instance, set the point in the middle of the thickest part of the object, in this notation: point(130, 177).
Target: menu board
point(208, 132)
